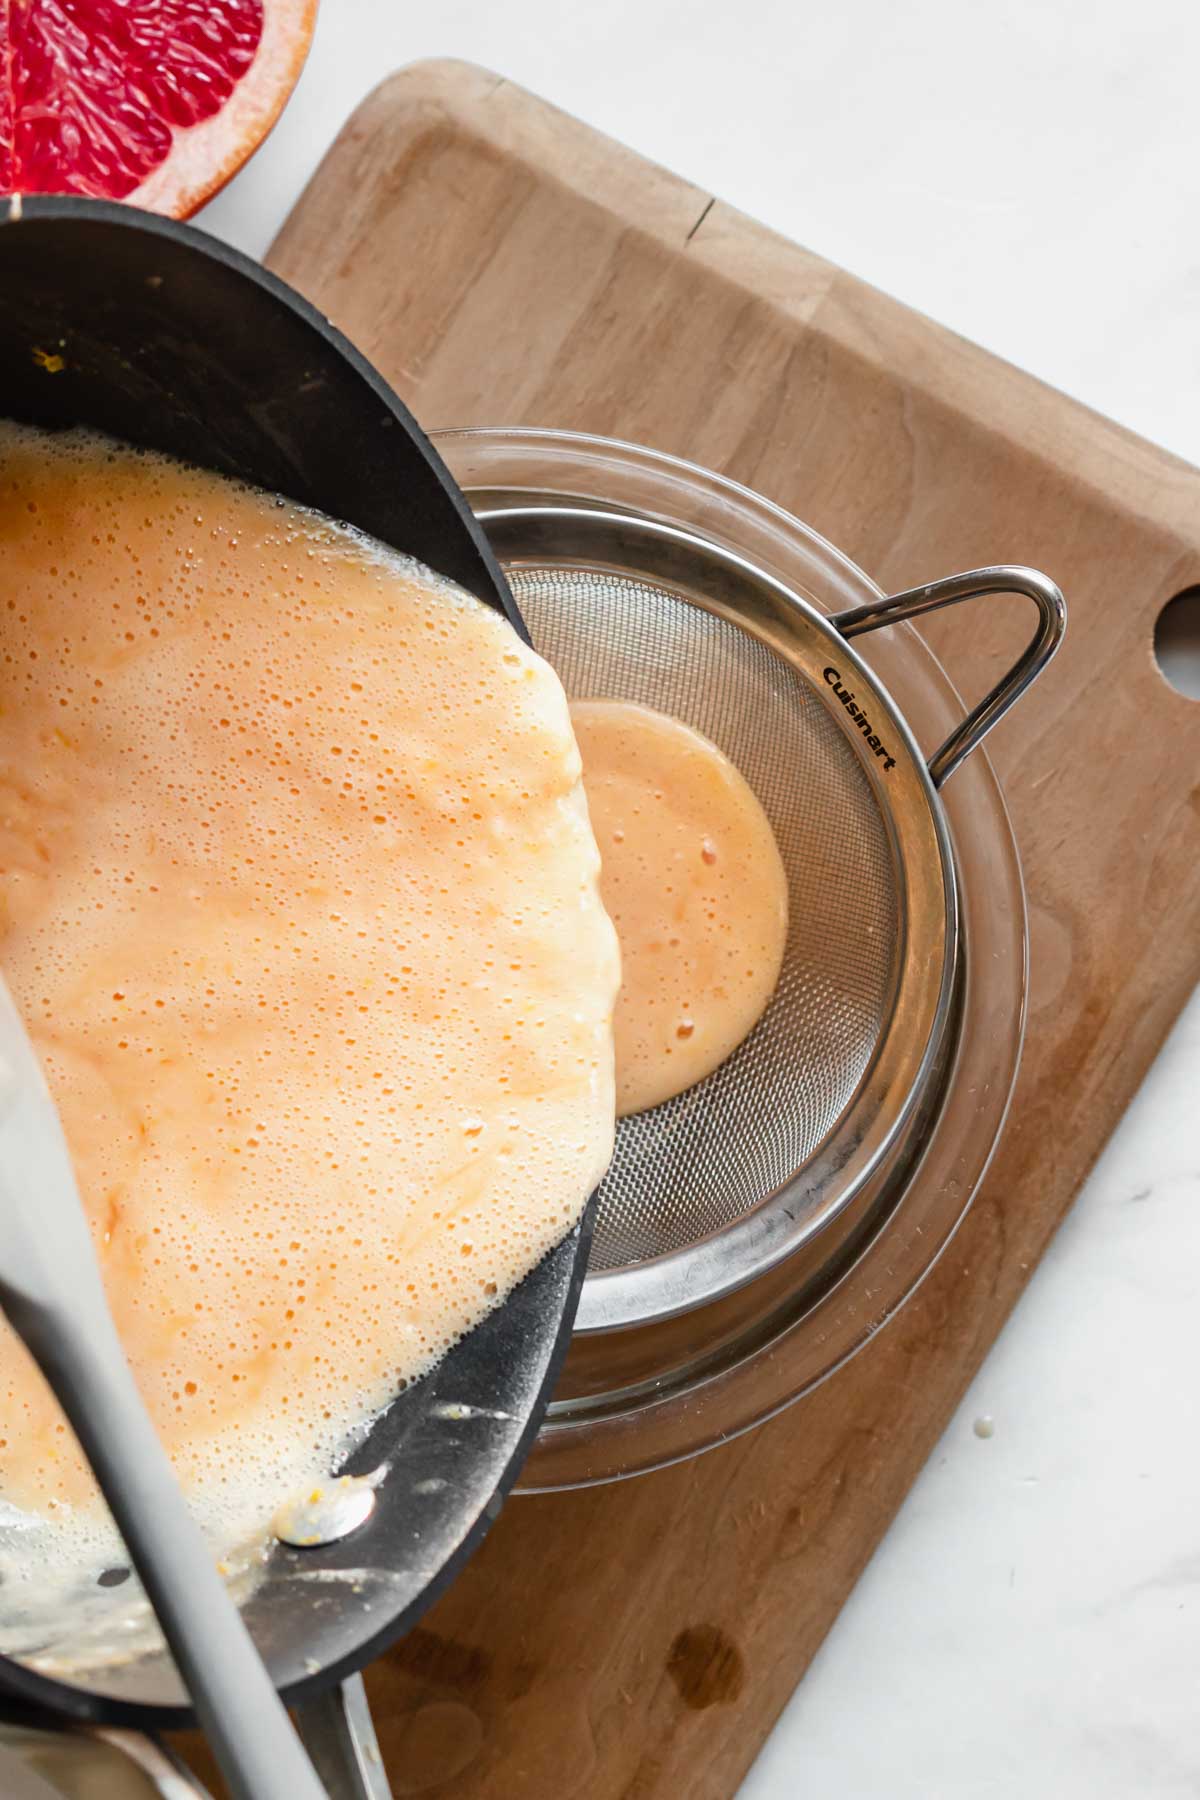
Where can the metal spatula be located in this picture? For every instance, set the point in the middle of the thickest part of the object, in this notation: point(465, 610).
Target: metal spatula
point(51, 1291)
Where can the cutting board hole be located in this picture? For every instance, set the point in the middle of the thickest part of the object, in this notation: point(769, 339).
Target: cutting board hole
point(1177, 642)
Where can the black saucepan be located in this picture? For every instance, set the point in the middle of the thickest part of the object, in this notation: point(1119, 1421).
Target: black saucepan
point(156, 334)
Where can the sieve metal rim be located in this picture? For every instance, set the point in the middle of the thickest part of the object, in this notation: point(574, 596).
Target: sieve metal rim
point(559, 533)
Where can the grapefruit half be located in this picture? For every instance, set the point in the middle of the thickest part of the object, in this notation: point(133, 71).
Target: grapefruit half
point(157, 102)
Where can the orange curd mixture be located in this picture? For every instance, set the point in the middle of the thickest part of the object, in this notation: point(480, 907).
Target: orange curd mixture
point(693, 881)
point(299, 901)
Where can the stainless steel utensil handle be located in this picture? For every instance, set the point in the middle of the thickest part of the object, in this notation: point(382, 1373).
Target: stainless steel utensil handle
point(162, 1767)
point(257, 1750)
point(53, 1295)
point(1002, 578)
point(338, 1734)
point(19, 1782)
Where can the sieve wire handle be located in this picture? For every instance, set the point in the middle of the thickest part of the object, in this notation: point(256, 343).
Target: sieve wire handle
point(1002, 578)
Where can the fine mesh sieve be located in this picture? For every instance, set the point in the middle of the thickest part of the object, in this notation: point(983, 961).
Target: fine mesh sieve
point(716, 1186)
point(704, 1159)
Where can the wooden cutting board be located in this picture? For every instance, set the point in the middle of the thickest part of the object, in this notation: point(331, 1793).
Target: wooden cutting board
point(501, 264)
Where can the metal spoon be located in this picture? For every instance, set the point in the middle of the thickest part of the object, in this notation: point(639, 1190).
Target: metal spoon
point(51, 1291)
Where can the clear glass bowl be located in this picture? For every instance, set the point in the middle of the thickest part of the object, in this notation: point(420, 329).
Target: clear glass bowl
point(634, 1400)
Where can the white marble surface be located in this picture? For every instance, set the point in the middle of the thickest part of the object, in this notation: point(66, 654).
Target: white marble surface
point(1028, 173)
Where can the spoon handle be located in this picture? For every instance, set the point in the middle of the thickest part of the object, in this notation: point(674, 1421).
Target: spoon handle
point(258, 1752)
point(52, 1293)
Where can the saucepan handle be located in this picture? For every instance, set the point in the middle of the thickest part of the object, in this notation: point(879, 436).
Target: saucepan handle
point(335, 1728)
point(1004, 578)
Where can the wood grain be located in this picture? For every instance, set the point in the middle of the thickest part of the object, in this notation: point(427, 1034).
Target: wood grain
point(502, 264)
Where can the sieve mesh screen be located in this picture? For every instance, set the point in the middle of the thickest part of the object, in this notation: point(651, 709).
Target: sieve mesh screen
point(704, 1159)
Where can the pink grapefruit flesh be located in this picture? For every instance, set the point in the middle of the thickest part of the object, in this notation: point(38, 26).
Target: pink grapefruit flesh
point(157, 102)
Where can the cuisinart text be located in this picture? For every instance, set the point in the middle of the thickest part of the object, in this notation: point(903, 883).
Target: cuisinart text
point(846, 696)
